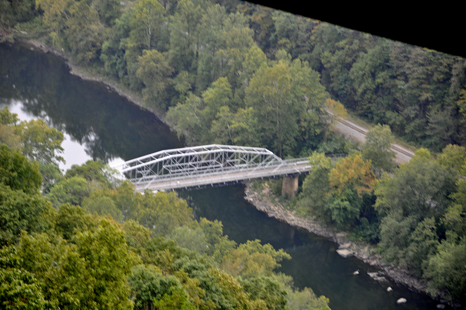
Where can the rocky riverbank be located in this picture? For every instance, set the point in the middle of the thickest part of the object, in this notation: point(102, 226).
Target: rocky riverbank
point(262, 201)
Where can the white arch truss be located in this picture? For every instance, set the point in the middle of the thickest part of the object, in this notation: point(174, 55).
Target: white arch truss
point(208, 160)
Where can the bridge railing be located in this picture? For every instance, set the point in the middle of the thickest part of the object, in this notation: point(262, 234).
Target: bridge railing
point(285, 168)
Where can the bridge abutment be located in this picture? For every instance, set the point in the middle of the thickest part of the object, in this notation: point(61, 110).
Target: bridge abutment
point(290, 186)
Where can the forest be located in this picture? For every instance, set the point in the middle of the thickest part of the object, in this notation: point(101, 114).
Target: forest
point(231, 72)
point(86, 240)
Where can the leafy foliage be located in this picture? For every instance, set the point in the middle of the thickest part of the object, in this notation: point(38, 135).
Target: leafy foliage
point(22, 211)
point(352, 172)
point(377, 148)
point(17, 172)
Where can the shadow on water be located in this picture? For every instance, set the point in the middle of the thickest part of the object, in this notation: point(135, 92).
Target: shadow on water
point(108, 126)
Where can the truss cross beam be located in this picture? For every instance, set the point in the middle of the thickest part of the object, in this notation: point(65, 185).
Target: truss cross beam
point(194, 166)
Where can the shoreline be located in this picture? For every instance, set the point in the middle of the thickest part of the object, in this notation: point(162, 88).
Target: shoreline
point(82, 73)
point(363, 251)
point(261, 201)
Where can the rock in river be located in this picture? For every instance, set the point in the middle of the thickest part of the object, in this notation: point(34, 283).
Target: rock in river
point(401, 301)
point(345, 253)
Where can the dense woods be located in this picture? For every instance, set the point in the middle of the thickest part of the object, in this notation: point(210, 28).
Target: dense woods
point(232, 72)
point(415, 214)
point(87, 240)
point(216, 58)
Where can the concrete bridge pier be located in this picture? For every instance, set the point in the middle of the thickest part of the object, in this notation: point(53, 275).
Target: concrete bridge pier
point(290, 186)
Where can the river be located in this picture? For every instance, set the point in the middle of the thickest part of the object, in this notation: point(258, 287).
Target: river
point(100, 124)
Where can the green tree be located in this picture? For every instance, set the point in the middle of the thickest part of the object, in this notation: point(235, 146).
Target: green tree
point(145, 24)
point(17, 172)
point(238, 44)
point(8, 131)
point(309, 97)
point(210, 67)
point(307, 299)
point(215, 97)
point(371, 81)
point(231, 292)
point(113, 49)
point(108, 10)
point(164, 212)
point(40, 142)
point(72, 191)
point(90, 272)
point(192, 239)
point(127, 200)
point(20, 211)
point(187, 119)
point(103, 206)
point(108, 263)
point(51, 175)
point(153, 290)
point(73, 219)
point(146, 21)
point(185, 27)
point(268, 94)
point(221, 129)
point(313, 198)
point(245, 128)
point(55, 12)
point(344, 208)
point(423, 244)
point(446, 269)
point(19, 289)
point(154, 72)
point(94, 172)
point(267, 290)
point(377, 149)
point(83, 32)
point(453, 157)
point(419, 190)
point(286, 30)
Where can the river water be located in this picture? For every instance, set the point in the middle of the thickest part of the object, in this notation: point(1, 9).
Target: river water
point(100, 124)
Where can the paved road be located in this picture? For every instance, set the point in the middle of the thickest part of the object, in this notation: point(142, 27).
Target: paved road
point(224, 177)
point(354, 131)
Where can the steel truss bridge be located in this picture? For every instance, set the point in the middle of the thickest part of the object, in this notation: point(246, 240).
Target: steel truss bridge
point(207, 165)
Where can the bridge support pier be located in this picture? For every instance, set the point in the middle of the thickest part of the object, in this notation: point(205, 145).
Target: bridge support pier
point(290, 186)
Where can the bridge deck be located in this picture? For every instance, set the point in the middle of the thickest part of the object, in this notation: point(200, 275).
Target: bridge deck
point(225, 177)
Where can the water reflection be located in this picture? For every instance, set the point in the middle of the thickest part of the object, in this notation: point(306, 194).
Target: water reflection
point(107, 126)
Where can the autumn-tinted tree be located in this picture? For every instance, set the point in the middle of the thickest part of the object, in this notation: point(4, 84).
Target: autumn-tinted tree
point(252, 259)
point(352, 173)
